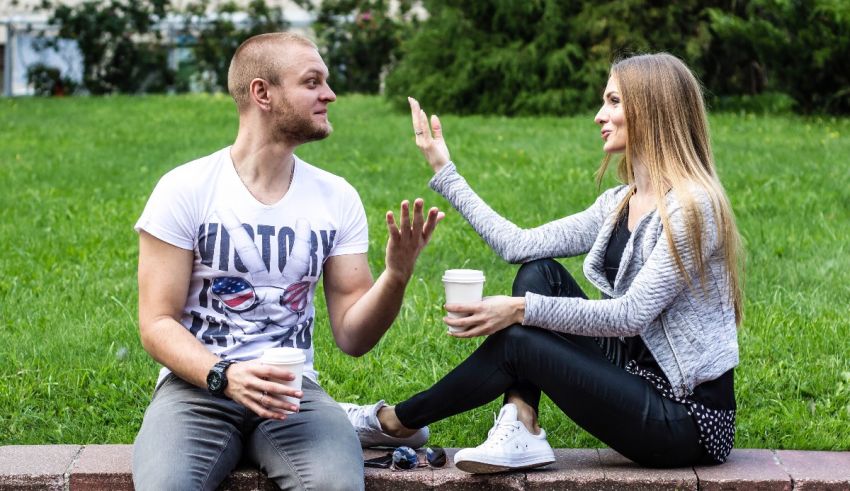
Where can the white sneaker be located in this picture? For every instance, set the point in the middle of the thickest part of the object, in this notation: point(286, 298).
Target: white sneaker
point(509, 446)
point(364, 419)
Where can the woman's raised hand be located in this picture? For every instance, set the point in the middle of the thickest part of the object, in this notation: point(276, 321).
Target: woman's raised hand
point(429, 138)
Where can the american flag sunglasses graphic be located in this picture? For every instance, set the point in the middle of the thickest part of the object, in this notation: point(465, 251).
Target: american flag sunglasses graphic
point(294, 298)
point(236, 293)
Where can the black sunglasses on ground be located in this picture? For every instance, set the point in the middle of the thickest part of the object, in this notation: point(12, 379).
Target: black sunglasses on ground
point(405, 458)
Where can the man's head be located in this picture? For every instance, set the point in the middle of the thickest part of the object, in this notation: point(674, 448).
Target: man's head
point(281, 77)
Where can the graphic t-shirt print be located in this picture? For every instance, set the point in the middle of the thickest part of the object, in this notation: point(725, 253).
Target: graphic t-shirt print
point(258, 300)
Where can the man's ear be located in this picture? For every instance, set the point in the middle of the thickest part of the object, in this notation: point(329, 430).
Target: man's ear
point(259, 91)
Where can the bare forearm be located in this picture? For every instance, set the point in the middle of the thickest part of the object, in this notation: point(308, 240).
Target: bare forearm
point(370, 317)
point(360, 310)
point(170, 344)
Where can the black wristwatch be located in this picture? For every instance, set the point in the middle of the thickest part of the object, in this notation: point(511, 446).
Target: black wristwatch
point(217, 378)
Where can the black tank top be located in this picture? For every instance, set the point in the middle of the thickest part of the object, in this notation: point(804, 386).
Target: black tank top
point(715, 394)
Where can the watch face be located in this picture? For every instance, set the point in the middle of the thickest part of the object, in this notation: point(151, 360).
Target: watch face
point(214, 381)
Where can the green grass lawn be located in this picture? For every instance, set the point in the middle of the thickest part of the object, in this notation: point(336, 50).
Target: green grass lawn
point(76, 174)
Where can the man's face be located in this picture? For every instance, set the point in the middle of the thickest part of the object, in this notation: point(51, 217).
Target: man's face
point(300, 102)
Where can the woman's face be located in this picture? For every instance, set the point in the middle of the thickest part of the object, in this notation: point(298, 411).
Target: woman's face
point(612, 118)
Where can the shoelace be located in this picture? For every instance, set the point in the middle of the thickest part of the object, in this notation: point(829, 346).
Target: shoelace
point(361, 416)
point(500, 432)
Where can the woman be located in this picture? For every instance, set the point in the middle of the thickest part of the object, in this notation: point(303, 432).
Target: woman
point(648, 369)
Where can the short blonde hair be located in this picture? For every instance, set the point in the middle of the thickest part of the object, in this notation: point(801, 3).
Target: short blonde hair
point(255, 58)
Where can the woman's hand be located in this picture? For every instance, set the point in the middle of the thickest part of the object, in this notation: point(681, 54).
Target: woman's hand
point(429, 138)
point(486, 317)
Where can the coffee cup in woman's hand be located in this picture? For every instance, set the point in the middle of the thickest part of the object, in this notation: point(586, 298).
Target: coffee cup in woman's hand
point(462, 286)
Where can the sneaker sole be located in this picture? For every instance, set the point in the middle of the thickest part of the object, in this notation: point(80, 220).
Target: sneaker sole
point(474, 467)
point(373, 439)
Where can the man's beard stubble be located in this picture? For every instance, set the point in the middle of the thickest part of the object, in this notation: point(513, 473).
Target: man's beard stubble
point(297, 129)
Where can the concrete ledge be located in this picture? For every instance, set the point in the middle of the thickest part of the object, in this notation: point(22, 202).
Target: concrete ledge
point(107, 467)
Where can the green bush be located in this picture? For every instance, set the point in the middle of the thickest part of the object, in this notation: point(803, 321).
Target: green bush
point(121, 49)
point(765, 103)
point(799, 47)
point(359, 40)
point(518, 57)
point(217, 37)
point(124, 51)
point(48, 81)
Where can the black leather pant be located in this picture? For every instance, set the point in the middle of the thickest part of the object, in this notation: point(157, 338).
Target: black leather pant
point(622, 410)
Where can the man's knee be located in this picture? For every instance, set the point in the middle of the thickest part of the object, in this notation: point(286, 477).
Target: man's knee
point(159, 471)
point(320, 446)
point(346, 477)
point(163, 481)
point(340, 441)
point(184, 444)
point(327, 464)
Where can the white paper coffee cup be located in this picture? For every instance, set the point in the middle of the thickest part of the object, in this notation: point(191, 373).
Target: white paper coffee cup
point(462, 286)
point(291, 359)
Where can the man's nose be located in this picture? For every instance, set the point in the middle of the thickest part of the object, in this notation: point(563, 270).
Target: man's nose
point(328, 94)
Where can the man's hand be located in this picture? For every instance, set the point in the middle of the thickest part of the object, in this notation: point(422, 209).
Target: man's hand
point(429, 138)
point(360, 311)
point(407, 239)
point(486, 317)
point(254, 385)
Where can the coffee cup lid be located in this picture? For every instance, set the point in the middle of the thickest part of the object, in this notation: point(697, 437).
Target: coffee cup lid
point(284, 355)
point(463, 276)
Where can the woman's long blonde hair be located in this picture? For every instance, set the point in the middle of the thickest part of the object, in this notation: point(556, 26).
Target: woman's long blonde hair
point(667, 132)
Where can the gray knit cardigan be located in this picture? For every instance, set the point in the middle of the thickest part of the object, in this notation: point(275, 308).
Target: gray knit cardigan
point(690, 330)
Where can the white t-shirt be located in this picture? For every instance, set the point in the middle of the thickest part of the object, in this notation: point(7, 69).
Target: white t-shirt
point(241, 303)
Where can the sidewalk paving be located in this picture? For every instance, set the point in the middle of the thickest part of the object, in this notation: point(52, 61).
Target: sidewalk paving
point(107, 467)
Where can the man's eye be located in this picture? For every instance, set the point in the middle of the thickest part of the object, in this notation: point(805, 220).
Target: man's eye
point(312, 82)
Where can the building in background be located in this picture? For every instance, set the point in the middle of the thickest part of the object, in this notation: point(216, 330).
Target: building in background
point(22, 23)
point(22, 47)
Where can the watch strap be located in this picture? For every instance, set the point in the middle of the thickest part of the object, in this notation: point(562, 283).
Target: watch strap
point(219, 370)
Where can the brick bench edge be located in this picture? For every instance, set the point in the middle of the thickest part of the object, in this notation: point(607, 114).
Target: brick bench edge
point(100, 467)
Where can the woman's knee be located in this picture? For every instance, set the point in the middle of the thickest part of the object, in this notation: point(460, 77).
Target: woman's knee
point(517, 336)
point(537, 269)
point(538, 276)
point(545, 277)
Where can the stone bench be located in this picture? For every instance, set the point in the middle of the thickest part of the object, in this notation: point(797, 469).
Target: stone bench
point(107, 467)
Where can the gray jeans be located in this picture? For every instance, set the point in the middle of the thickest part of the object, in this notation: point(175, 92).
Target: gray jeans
point(192, 440)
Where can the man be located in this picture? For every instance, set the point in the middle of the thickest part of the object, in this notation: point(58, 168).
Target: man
point(231, 249)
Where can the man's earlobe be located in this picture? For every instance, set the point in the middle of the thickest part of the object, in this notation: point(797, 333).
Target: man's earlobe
point(260, 93)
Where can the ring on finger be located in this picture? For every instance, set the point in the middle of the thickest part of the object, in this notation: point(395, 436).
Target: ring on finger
point(263, 399)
